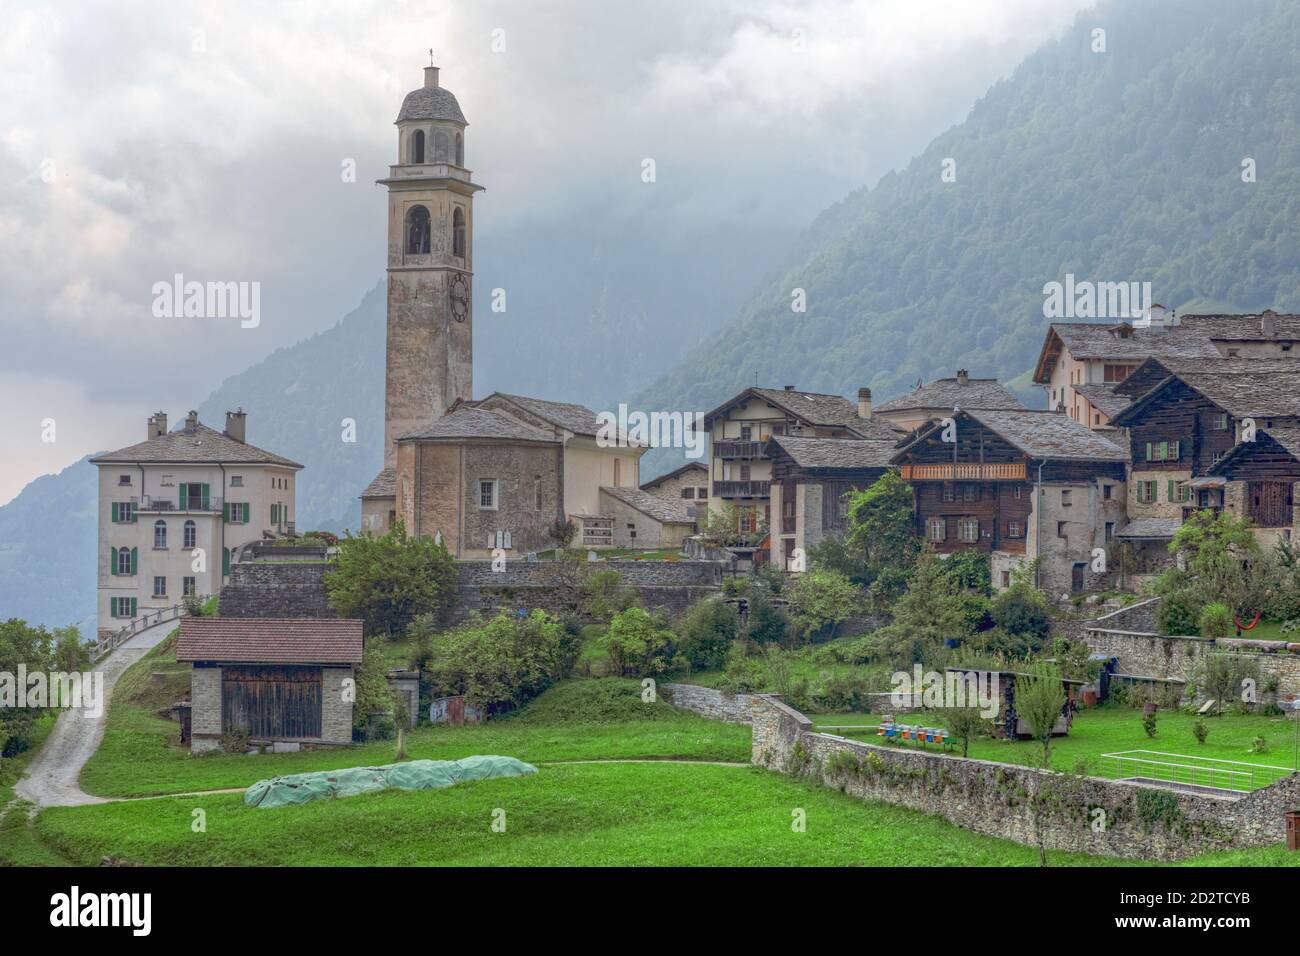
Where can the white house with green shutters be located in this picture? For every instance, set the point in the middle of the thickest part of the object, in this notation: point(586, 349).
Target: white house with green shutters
point(173, 508)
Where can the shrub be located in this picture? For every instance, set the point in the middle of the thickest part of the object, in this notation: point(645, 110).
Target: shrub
point(1021, 609)
point(1259, 746)
point(603, 596)
point(767, 623)
point(1200, 731)
point(375, 696)
point(1215, 620)
point(71, 653)
point(819, 600)
point(234, 741)
point(390, 580)
point(844, 692)
point(970, 570)
point(639, 644)
point(734, 587)
point(501, 663)
point(706, 631)
point(1149, 723)
point(561, 532)
point(1178, 612)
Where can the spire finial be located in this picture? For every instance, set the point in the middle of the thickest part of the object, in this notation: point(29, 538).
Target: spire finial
point(431, 56)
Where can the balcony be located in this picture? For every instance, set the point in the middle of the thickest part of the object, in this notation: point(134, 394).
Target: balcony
point(966, 471)
point(738, 449)
point(429, 171)
point(152, 504)
point(741, 489)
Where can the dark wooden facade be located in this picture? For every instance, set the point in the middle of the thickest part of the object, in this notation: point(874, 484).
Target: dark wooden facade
point(1270, 471)
point(1178, 430)
point(835, 483)
point(280, 702)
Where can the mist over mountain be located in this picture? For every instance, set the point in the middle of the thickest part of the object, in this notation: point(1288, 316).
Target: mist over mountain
point(1123, 165)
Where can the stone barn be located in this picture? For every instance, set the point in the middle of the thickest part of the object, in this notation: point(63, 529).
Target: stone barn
point(280, 680)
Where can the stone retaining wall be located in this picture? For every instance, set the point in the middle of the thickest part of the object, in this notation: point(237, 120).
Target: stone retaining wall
point(272, 589)
point(707, 702)
point(999, 799)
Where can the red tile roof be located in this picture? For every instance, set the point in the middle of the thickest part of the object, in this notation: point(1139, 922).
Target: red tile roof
point(269, 640)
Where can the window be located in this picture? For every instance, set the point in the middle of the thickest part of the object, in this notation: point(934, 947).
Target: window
point(1106, 492)
point(1060, 529)
point(1015, 529)
point(168, 481)
point(238, 512)
point(1110, 530)
point(1116, 373)
point(441, 146)
point(968, 530)
point(537, 490)
point(458, 234)
point(1146, 491)
point(123, 479)
point(417, 231)
point(1221, 422)
point(417, 146)
point(631, 530)
point(746, 432)
point(1006, 579)
point(121, 607)
point(236, 481)
point(688, 493)
point(188, 587)
point(123, 512)
point(744, 472)
point(159, 586)
point(124, 561)
point(701, 492)
point(191, 535)
point(949, 492)
point(460, 150)
point(159, 534)
point(1065, 497)
point(970, 492)
point(1017, 491)
point(936, 529)
point(746, 522)
point(487, 494)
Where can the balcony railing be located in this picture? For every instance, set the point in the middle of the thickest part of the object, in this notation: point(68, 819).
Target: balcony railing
point(741, 489)
point(152, 503)
point(966, 471)
point(739, 449)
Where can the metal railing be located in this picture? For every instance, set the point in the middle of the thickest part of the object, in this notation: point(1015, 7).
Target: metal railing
point(1190, 771)
point(741, 489)
point(152, 503)
point(148, 619)
point(739, 448)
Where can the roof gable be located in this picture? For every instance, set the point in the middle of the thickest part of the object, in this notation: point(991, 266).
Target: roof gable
point(200, 445)
point(265, 640)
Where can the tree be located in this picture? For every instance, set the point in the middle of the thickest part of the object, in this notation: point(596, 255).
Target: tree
point(71, 653)
point(387, 581)
point(1021, 609)
point(1225, 677)
point(1223, 563)
point(1040, 698)
point(963, 723)
point(20, 643)
point(706, 633)
point(721, 526)
point(882, 525)
point(639, 644)
point(820, 599)
point(561, 532)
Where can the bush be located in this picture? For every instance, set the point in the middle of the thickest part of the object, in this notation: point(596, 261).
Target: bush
point(638, 643)
point(234, 741)
point(1200, 731)
point(595, 700)
point(706, 632)
point(1215, 620)
point(1178, 612)
point(735, 587)
point(1021, 609)
point(767, 623)
point(501, 663)
point(375, 696)
point(1149, 724)
point(1259, 746)
point(819, 600)
point(390, 580)
point(603, 596)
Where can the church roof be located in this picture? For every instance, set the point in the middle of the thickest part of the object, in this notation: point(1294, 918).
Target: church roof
point(431, 103)
point(201, 445)
point(384, 485)
point(469, 421)
point(571, 417)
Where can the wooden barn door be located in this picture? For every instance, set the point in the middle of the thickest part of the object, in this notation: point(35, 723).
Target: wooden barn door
point(1270, 503)
point(272, 701)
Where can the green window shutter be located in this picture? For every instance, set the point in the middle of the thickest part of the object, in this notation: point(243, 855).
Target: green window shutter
point(112, 560)
point(205, 497)
point(1169, 489)
point(133, 607)
point(225, 562)
point(134, 556)
point(225, 512)
point(244, 509)
point(181, 496)
point(1148, 458)
point(115, 512)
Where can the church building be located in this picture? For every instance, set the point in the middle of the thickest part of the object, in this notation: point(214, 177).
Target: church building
point(486, 474)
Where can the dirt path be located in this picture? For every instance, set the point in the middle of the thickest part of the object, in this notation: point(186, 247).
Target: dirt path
point(52, 778)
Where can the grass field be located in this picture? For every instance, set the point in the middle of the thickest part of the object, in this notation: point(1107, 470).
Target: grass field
point(1107, 730)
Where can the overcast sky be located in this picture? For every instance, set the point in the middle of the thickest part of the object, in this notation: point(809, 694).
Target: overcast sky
point(143, 139)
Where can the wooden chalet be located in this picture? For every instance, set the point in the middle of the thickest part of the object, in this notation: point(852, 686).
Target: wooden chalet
point(1017, 484)
point(1261, 478)
point(811, 479)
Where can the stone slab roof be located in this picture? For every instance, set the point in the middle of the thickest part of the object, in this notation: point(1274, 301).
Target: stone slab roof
point(469, 421)
point(201, 446)
point(1270, 391)
point(262, 640)
point(1053, 436)
point(1286, 437)
point(1102, 340)
point(950, 392)
point(690, 466)
point(570, 416)
point(652, 506)
point(1150, 528)
point(384, 485)
point(1104, 398)
point(817, 409)
point(431, 104)
point(839, 454)
point(1248, 327)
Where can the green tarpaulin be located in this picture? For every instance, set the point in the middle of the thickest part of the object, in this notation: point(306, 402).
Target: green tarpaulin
point(412, 775)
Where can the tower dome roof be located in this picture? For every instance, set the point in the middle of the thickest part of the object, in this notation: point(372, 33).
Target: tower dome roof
point(431, 103)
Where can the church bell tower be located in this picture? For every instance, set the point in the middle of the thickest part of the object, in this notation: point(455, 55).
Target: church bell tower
point(430, 264)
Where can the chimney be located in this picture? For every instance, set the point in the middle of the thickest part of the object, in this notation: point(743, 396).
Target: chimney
point(157, 424)
point(191, 422)
point(963, 378)
point(864, 403)
point(1268, 324)
point(235, 424)
point(789, 388)
point(430, 77)
point(1157, 315)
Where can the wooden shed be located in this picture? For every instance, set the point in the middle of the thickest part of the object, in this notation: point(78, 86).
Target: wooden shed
point(287, 683)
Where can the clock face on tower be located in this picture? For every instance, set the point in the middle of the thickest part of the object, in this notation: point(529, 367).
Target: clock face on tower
point(458, 290)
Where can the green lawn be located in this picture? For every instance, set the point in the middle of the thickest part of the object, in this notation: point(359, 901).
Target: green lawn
point(612, 814)
point(1108, 730)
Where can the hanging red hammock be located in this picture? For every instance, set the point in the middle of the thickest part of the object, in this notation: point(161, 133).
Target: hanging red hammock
point(1246, 627)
